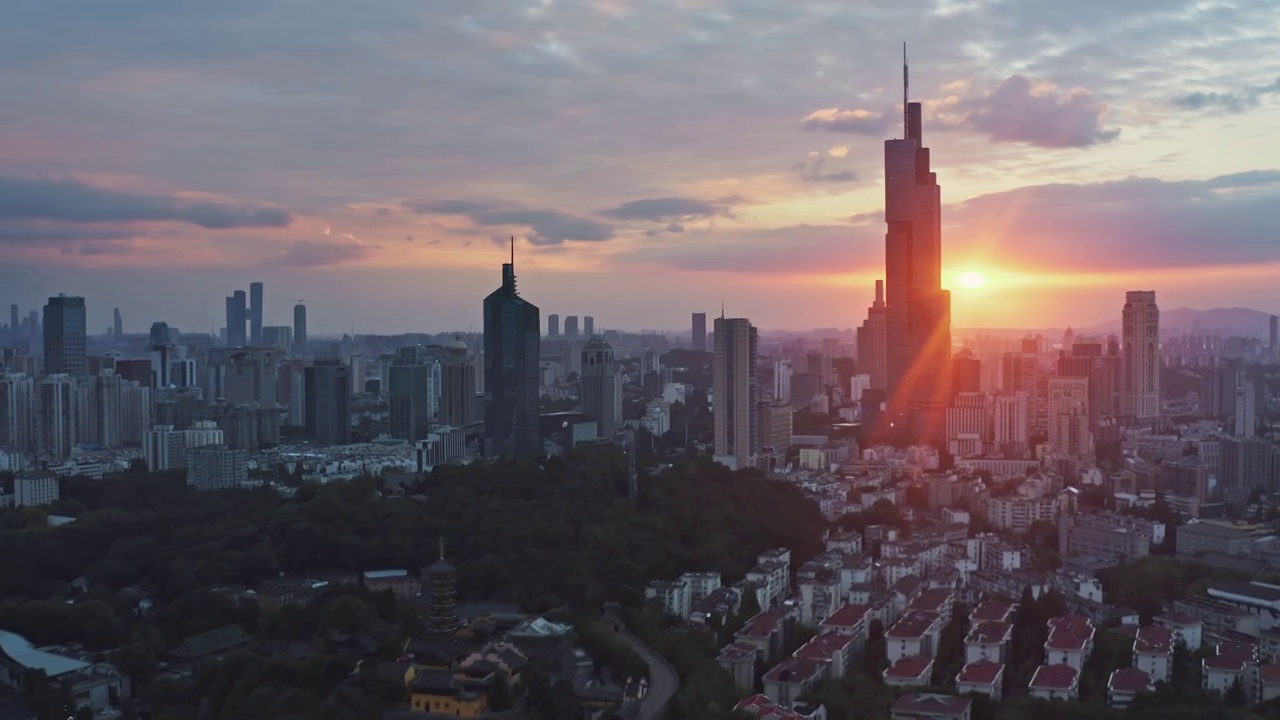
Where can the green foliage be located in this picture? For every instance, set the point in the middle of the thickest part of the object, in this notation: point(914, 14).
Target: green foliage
point(949, 660)
point(1147, 584)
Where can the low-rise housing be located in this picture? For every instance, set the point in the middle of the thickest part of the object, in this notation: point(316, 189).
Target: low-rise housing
point(1218, 618)
point(850, 620)
point(766, 631)
point(1235, 662)
point(1055, 682)
point(673, 595)
point(1153, 652)
point(739, 660)
point(832, 648)
point(1070, 641)
point(993, 609)
point(1197, 538)
point(1187, 629)
point(908, 672)
point(930, 706)
point(981, 676)
point(915, 633)
point(1125, 684)
point(792, 678)
point(988, 641)
point(398, 581)
point(1269, 682)
point(760, 706)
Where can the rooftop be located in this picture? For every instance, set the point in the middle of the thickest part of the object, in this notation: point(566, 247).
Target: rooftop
point(931, 704)
point(795, 670)
point(931, 600)
point(385, 574)
point(992, 610)
point(765, 709)
point(1129, 680)
point(1054, 677)
point(981, 672)
point(1179, 619)
point(991, 631)
point(913, 625)
point(737, 652)
point(1269, 674)
point(1259, 592)
point(847, 616)
point(909, 668)
point(825, 646)
point(28, 656)
point(764, 624)
point(1155, 639)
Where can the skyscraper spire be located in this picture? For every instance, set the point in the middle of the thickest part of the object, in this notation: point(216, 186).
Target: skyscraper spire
point(905, 88)
point(513, 238)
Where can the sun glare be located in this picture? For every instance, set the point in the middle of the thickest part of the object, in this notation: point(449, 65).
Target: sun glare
point(971, 280)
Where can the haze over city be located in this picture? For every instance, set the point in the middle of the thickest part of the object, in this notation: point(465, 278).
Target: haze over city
point(653, 157)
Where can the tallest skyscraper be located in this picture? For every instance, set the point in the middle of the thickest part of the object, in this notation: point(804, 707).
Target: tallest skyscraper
point(917, 309)
point(512, 333)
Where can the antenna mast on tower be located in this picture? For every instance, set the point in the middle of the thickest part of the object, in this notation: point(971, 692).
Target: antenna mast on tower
point(905, 87)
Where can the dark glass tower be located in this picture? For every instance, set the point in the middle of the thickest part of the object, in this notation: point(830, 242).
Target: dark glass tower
point(327, 392)
point(236, 317)
point(299, 330)
point(255, 314)
point(65, 337)
point(917, 309)
point(512, 333)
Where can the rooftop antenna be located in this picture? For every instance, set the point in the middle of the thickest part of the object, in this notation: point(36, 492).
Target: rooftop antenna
point(905, 86)
point(441, 547)
point(513, 251)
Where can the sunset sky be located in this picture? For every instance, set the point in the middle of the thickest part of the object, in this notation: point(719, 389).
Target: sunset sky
point(652, 157)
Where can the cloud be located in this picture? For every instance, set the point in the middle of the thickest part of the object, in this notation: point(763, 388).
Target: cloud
point(1040, 114)
point(815, 171)
point(861, 122)
point(544, 226)
point(797, 249)
point(1232, 102)
point(331, 250)
point(29, 231)
point(68, 200)
point(664, 208)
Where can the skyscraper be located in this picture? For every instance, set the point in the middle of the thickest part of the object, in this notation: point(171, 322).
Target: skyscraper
point(699, 332)
point(299, 330)
point(15, 323)
point(571, 326)
point(966, 373)
point(918, 310)
point(457, 386)
point(601, 387)
point(736, 394)
point(408, 397)
point(236, 319)
point(17, 412)
point(65, 337)
point(1273, 326)
point(588, 327)
point(255, 314)
point(328, 402)
point(872, 344)
point(1141, 329)
point(117, 323)
point(553, 326)
point(56, 416)
point(1069, 429)
point(512, 336)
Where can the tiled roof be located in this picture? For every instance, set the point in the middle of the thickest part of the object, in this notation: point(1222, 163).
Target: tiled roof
point(912, 625)
point(795, 670)
point(765, 709)
point(932, 600)
point(1269, 674)
point(1155, 640)
point(737, 652)
point(1054, 677)
point(1129, 680)
point(824, 647)
point(764, 623)
point(991, 631)
point(1069, 632)
point(931, 705)
point(847, 616)
point(981, 672)
point(909, 668)
point(992, 610)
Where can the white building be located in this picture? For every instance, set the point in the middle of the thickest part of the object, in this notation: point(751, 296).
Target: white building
point(672, 594)
point(35, 488)
point(204, 432)
point(214, 467)
point(165, 448)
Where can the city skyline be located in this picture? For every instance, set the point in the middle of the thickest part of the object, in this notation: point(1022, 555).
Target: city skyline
point(757, 184)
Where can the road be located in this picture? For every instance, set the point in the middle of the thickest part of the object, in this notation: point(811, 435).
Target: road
point(663, 681)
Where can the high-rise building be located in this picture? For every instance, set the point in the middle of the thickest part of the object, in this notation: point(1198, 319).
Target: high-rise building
point(299, 330)
point(699, 343)
point(457, 386)
point(512, 338)
point(328, 402)
point(255, 314)
point(775, 426)
point(117, 323)
point(408, 398)
point(571, 326)
point(65, 337)
point(215, 467)
point(1246, 409)
point(1273, 326)
point(872, 342)
point(15, 324)
point(279, 337)
point(1012, 427)
point(969, 424)
point(1069, 429)
point(782, 374)
point(588, 327)
point(1141, 328)
point(918, 310)
point(165, 448)
point(735, 392)
point(237, 316)
point(17, 412)
point(601, 387)
point(966, 373)
point(553, 326)
point(56, 416)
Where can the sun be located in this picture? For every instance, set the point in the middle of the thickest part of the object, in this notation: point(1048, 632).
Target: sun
point(972, 280)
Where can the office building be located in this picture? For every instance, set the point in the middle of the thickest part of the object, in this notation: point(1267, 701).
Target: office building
point(1246, 409)
point(255, 314)
point(457, 386)
point(165, 448)
point(1273, 335)
point(699, 338)
point(117, 324)
point(966, 373)
point(776, 424)
point(873, 343)
point(553, 326)
point(512, 336)
point(969, 424)
point(409, 397)
point(782, 374)
point(1107, 535)
point(237, 316)
point(1012, 427)
point(56, 416)
point(735, 392)
point(918, 310)
point(1069, 429)
point(65, 337)
point(328, 402)
point(601, 390)
point(588, 327)
point(1141, 328)
point(299, 330)
point(278, 337)
point(215, 467)
point(571, 326)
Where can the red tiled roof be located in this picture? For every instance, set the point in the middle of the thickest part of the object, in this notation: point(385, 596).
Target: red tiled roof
point(981, 672)
point(1069, 632)
point(1129, 630)
point(824, 647)
point(765, 709)
point(909, 668)
point(912, 625)
point(1155, 640)
point(1238, 648)
point(764, 624)
point(847, 617)
point(931, 704)
point(991, 631)
point(932, 600)
point(1231, 662)
point(1129, 680)
point(738, 651)
point(795, 670)
point(992, 610)
point(1054, 677)
point(1269, 674)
